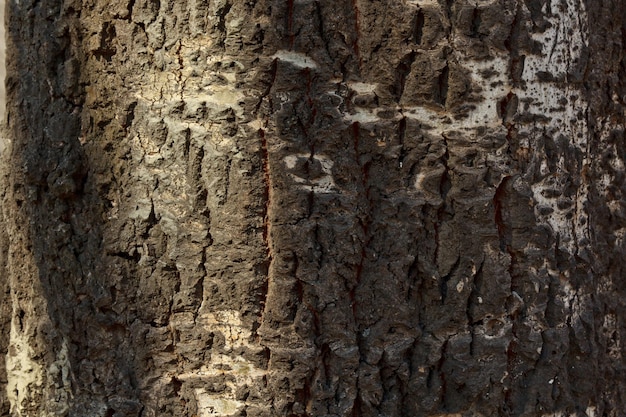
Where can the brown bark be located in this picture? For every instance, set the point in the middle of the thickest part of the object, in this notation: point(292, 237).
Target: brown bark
point(314, 208)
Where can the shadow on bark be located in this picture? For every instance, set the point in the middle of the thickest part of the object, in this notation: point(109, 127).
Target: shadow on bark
point(65, 306)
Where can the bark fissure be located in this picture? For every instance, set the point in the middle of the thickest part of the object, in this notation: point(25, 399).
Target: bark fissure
point(267, 221)
point(418, 27)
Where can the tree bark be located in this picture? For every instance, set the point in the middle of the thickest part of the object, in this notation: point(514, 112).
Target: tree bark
point(314, 208)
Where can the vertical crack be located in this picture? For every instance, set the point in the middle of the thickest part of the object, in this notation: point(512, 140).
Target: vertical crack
point(403, 69)
point(129, 7)
point(267, 195)
point(267, 225)
point(444, 213)
point(364, 223)
point(292, 36)
point(221, 23)
point(507, 108)
point(511, 43)
point(401, 138)
point(472, 299)
point(418, 27)
point(476, 284)
point(440, 372)
point(501, 225)
point(447, 4)
point(273, 72)
point(476, 22)
point(441, 87)
point(365, 227)
point(322, 31)
point(179, 58)
point(443, 284)
point(357, 32)
point(446, 181)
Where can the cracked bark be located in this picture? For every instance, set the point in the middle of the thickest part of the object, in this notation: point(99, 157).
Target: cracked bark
point(392, 208)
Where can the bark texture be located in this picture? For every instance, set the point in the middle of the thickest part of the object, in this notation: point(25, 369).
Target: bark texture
point(314, 208)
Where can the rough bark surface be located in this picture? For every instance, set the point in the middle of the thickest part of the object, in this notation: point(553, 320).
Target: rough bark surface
point(314, 208)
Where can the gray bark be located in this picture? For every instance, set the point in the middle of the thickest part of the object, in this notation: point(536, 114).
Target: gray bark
point(314, 208)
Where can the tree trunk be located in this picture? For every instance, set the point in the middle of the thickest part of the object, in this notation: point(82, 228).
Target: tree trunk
point(314, 208)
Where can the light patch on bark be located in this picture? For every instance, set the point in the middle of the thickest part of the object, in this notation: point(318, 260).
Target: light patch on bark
point(422, 3)
point(25, 375)
point(220, 97)
point(362, 88)
point(321, 181)
point(23, 372)
point(210, 405)
point(620, 236)
point(449, 415)
point(229, 324)
point(422, 178)
point(362, 116)
point(204, 98)
point(490, 75)
point(546, 96)
point(492, 78)
point(3, 140)
point(296, 59)
point(589, 412)
point(239, 371)
point(163, 89)
point(547, 93)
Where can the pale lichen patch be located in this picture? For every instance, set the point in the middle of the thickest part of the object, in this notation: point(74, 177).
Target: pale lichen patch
point(237, 370)
point(362, 88)
point(421, 184)
point(296, 59)
point(316, 177)
point(229, 324)
point(490, 78)
point(210, 405)
point(423, 3)
point(24, 373)
point(362, 116)
point(591, 411)
point(560, 113)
